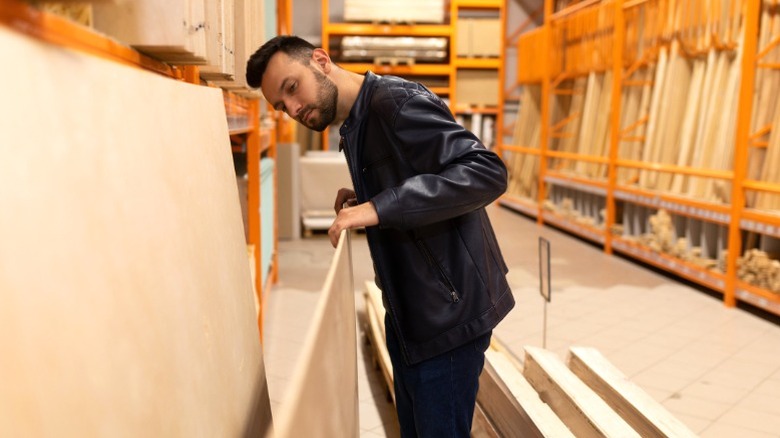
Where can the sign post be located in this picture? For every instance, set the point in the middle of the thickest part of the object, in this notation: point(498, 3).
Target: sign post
point(545, 290)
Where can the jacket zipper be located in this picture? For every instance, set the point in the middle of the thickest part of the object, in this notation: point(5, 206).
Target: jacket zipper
point(432, 261)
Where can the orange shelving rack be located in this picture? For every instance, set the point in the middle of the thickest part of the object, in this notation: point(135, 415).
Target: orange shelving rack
point(623, 38)
point(415, 70)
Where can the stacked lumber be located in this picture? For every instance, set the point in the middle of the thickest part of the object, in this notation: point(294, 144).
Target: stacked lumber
point(762, 160)
point(635, 104)
point(581, 123)
point(217, 35)
point(543, 397)
point(593, 134)
point(569, 110)
point(173, 32)
point(692, 113)
point(636, 90)
point(524, 168)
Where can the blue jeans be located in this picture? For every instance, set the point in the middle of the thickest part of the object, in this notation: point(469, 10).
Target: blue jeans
point(436, 397)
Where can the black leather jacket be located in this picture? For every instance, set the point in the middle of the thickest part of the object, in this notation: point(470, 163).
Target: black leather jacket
point(436, 258)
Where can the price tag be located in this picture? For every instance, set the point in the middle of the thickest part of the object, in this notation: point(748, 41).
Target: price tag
point(544, 269)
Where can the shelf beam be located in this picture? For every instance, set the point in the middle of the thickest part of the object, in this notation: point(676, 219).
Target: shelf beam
point(744, 117)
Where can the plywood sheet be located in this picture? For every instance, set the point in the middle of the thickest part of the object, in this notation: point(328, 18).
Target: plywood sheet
point(127, 300)
point(322, 399)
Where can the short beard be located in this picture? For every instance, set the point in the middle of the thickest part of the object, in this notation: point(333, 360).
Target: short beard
point(327, 101)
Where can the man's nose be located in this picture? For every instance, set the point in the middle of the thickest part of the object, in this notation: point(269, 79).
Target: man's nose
point(294, 108)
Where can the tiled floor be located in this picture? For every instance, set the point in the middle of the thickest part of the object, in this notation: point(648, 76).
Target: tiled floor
point(715, 368)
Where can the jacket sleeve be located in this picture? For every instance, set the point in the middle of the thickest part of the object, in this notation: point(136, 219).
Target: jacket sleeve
point(453, 172)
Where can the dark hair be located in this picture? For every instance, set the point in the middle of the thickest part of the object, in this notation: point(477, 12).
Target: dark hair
point(295, 47)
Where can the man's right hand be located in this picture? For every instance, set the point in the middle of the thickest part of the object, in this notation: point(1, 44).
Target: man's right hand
point(347, 196)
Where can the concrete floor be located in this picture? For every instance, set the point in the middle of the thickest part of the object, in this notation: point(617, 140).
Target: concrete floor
point(717, 369)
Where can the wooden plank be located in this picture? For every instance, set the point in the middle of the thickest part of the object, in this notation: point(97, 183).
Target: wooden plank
point(676, 92)
point(652, 130)
point(375, 312)
point(249, 35)
point(220, 41)
point(581, 409)
point(589, 119)
point(328, 362)
point(692, 108)
point(706, 146)
point(481, 426)
point(702, 122)
point(723, 158)
point(511, 403)
point(127, 300)
point(524, 174)
point(570, 143)
point(642, 412)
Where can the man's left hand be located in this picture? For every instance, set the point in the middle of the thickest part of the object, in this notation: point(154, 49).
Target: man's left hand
point(363, 215)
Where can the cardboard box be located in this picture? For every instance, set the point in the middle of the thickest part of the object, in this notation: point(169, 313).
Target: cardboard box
point(477, 87)
point(478, 38)
point(398, 11)
point(485, 38)
point(463, 37)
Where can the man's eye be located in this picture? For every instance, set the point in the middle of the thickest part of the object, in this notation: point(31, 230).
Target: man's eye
point(293, 87)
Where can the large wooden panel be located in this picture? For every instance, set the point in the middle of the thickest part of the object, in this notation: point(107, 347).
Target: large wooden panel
point(323, 400)
point(127, 305)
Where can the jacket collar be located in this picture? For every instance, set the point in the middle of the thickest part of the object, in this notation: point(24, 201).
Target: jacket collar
point(361, 104)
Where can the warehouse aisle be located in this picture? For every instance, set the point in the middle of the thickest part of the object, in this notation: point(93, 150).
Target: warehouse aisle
point(716, 369)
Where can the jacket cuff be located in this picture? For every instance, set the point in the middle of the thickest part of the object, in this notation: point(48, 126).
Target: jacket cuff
point(385, 204)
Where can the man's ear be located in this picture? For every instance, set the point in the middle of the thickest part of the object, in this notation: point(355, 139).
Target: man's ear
point(321, 58)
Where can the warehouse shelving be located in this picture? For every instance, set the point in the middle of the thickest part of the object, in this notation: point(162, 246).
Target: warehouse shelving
point(553, 56)
point(243, 113)
point(445, 71)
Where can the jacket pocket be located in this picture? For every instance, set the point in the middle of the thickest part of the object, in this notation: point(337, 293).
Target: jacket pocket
point(376, 163)
point(444, 280)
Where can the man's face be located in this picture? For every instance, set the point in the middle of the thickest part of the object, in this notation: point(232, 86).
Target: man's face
point(300, 90)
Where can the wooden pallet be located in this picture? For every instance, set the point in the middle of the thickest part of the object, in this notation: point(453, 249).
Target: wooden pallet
point(544, 396)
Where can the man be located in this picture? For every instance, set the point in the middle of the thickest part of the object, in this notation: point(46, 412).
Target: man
point(421, 182)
